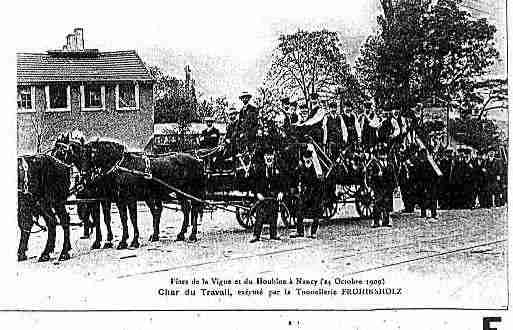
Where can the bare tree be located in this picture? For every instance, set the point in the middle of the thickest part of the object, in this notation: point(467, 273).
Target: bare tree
point(307, 62)
point(42, 131)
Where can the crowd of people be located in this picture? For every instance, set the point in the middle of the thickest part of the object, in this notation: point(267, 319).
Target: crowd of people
point(385, 143)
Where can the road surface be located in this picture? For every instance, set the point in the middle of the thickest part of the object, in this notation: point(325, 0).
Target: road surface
point(457, 261)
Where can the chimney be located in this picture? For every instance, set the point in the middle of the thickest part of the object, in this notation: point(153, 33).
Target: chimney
point(79, 38)
point(71, 42)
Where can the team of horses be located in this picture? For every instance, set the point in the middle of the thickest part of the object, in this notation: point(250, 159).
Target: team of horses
point(109, 174)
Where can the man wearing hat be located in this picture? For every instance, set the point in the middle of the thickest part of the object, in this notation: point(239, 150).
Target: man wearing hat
point(382, 183)
point(310, 196)
point(284, 111)
point(428, 181)
point(315, 128)
point(446, 186)
point(369, 127)
point(292, 113)
point(389, 129)
point(210, 135)
point(351, 122)
point(232, 132)
point(269, 185)
point(248, 121)
point(299, 131)
point(314, 104)
point(334, 131)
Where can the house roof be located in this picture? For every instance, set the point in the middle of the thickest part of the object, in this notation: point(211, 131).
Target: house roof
point(91, 66)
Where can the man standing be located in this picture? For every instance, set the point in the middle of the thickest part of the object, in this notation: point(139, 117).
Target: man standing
point(351, 122)
point(316, 114)
point(310, 196)
point(210, 135)
point(334, 132)
point(292, 112)
point(428, 183)
point(248, 121)
point(389, 130)
point(407, 178)
point(369, 127)
point(285, 103)
point(269, 185)
point(314, 104)
point(382, 182)
point(232, 133)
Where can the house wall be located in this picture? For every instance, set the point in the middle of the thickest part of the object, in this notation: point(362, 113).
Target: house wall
point(132, 127)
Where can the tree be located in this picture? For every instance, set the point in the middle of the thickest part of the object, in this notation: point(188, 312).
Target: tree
point(212, 107)
point(175, 101)
point(481, 134)
point(42, 131)
point(456, 49)
point(423, 49)
point(487, 95)
point(384, 66)
point(307, 62)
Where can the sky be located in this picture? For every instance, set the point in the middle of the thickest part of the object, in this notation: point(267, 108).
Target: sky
point(239, 35)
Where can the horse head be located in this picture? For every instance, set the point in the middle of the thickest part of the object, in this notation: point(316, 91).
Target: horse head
point(69, 150)
point(103, 155)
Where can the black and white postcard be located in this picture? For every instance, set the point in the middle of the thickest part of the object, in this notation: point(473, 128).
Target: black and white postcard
point(290, 159)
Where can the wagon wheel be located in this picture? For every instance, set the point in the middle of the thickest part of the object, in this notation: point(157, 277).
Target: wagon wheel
point(329, 208)
point(364, 201)
point(245, 216)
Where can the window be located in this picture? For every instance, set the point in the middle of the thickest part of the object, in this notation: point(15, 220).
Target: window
point(127, 96)
point(25, 98)
point(58, 97)
point(92, 97)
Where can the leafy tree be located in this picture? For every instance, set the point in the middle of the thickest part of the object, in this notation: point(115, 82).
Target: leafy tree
point(212, 107)
point(456, 49)
point(306, 62)
point(423, 49)
point(484, 96)
point(481, 134)
point(175, 102)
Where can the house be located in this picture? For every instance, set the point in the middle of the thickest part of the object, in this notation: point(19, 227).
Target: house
point(102, 94)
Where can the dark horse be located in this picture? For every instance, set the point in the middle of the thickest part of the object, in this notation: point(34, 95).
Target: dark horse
point(43, 188)
point(129, 177)
point(70, 151)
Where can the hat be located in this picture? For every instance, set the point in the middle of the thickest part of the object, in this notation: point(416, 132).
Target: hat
point(303, 106)
point(308, 154)
point(231, 110)
point(293, 103)
point(244, 95)
point(285, 100)
point(348, 103)
point(332, 105)
point(314, 96)
point(209, 119)
point(368, 104)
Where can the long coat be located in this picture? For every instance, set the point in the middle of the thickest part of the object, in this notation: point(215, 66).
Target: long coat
point(248, 124)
